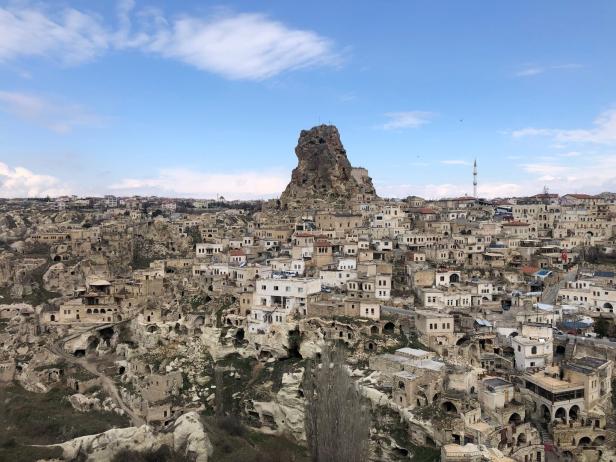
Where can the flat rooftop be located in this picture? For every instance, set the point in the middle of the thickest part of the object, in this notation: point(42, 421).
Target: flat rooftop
point(496, 382)
point(551, 383)
point(414, 352)
point(586, 365)
point(405, 375)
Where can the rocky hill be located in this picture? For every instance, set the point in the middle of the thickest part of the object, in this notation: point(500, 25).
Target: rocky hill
point(324, 172)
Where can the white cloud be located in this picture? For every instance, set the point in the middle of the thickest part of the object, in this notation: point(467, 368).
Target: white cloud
point(236, 46)
point(532, 70)
point(437, 191)
point(407, 119)
point(183, 182)
point(245, 46)
point(56, 116)
point(69, 36)
point(592, 175)
point(531, 131)
point(571, 154)
point(455, 162)
point(21, 182)
point(604, 131)
point(544, 168)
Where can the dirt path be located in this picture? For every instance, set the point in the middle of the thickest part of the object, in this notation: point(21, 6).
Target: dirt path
point(107, 382)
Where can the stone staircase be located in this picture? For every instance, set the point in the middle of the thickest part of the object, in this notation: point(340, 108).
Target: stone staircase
point(546, 438)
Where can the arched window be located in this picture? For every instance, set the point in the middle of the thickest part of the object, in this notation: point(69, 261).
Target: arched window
point(533, 350)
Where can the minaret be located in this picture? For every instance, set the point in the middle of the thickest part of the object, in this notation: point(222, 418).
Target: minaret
point(475, 179)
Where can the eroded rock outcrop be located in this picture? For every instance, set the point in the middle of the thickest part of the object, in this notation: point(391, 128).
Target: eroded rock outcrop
point(324, 172)
point(186, 436)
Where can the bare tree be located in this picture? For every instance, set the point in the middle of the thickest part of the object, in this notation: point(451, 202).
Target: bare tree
point(219, 396)
point(337, 420)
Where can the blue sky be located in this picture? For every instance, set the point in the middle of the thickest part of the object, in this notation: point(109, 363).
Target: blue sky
point(194, 99)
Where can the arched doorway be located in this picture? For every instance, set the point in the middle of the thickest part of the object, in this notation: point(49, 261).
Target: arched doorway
point(599, 441)
point(561, 413)
point(521, 439)
point(455, 277)
point(389, 328)
point(449, 407)
point(515, 419)
point(584, 441)
point(574, 412)
point(545, 413)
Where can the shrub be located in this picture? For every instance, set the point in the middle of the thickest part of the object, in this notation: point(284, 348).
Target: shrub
point(232, 425)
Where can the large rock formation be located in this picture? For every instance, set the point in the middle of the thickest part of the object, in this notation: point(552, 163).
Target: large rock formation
point(324, 173)
point(186, 436)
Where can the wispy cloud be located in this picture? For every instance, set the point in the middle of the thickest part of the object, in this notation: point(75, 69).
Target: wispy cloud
point(545, 168)
point(68, 36)
point(244, 46)
point(531, 70)
point(235, 45)
point(455, 162)
point(595, 175)
point(189, 183)
point(408, 119)
point(571, 154)
point(56, 116)
point(441, 190)
point(604, 131)
point(21, 182)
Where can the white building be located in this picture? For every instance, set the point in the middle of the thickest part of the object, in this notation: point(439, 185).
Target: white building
point(534, 347)
point(275, 300)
